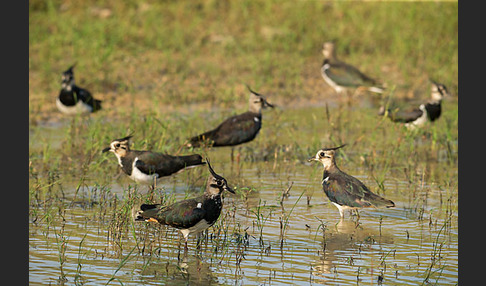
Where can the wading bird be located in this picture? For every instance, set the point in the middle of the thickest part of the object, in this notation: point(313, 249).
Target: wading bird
point(73, 99)
point(147, 167)
point(342, 76)
point(237, 129)
point(191, 216)
point(413, 117)
point(345, 191)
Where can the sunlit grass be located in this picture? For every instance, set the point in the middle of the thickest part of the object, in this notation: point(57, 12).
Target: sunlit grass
point(143, 55)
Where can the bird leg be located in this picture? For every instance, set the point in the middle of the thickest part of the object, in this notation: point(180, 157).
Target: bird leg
point(356, 211)
point(151, 192)
point(152, 189)
point(344, 99)
point(182, 261)
point(341, 212)
point(349, 98)
point(238, 155)
point(359, 90)
point(185, 243)
point(184, 256)
point(198, 241)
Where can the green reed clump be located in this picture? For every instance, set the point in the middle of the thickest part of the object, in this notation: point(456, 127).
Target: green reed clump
point(62, 245)
point(118, 227)
point(78, 277)
point(284, 218)
point(221, 236)
point(435, 258)
point(124, 260)
point(261, 219)
point(322, 227)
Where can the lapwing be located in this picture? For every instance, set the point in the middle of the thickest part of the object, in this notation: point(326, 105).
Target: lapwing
point(237, 129)
point(147, 167)
point(345, 191)
point(74, 100)
point(342, 76)
point(429, 111)
point(191, 216)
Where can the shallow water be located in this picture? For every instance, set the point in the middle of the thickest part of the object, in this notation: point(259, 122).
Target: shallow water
point(414, 242)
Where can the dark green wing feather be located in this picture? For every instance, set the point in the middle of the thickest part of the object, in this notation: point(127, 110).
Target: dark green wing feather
point(85, 96)
point(347, 75)
point(344, 189)
point(164, 164)
point(233, 131)
point(183, 214)
point(404, 116)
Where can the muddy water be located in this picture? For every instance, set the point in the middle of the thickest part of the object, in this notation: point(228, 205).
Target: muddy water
point(262, 237)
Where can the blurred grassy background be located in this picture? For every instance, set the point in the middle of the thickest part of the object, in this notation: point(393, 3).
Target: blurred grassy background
point(166, 54)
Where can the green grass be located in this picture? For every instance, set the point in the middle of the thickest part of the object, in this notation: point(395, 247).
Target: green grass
point(180, 52)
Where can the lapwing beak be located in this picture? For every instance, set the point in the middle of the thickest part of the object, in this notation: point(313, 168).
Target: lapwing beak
point(229, 189)
point(267, 104)
point(106, 150)
point(311, 159)
point(447, 93)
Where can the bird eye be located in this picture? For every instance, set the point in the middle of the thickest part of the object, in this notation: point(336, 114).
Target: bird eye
point(220, 183)
point(117, 145)
point(321, 154)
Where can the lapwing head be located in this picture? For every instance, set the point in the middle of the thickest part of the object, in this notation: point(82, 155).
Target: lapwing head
point(216, 184)
point(119, 146)
point(257, 101)
point(326, 156)
point(67, 77)
point(328, 50)
point(438, 91)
